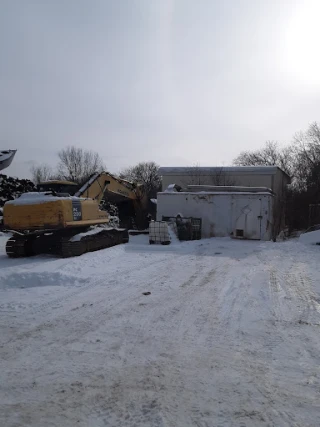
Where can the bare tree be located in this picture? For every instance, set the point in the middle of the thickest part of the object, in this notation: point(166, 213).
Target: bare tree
point(145, 173)
point(306, 150)
point(220, 177)
point(300, 160)
point(77, 164)
point(195, 176)
point(270, 155)
point(199, 176)
point(41, 173)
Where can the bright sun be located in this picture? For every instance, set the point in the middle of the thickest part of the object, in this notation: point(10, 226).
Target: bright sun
point(301, 49)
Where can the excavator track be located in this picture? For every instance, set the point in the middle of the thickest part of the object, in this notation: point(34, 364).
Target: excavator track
point(102, 240)
point(63, 245)
point(18, 246)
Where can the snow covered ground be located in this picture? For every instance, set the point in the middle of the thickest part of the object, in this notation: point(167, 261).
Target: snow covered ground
point(229, 336)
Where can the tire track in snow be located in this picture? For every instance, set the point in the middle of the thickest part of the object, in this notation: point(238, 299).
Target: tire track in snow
point(66, 296)
point(290, 293)
point(159, 312)
point(225, 338)
point(302, 287)
point(83, 323)
point(174, 314)
point(176, 386)
point(60, 315)
point(190, 305)
point(234, 299)
point(154, 369)
point(289, 285)
point(275, 290)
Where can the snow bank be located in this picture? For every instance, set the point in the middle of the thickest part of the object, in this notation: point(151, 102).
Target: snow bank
point(310, 238)
point(140, 239)
point(24, 280)
point(173, 233)
point(91, 232)
point(36, 198)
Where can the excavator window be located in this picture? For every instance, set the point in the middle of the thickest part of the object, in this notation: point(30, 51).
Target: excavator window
point(59, 188)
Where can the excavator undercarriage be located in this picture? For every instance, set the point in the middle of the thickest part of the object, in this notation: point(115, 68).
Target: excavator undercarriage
point(64, 243)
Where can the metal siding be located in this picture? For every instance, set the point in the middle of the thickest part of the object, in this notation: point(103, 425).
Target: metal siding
point(177, 170)
point(248, 180)
point(219, 212)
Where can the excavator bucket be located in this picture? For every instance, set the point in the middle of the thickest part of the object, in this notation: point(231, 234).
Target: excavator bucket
point(6, 157)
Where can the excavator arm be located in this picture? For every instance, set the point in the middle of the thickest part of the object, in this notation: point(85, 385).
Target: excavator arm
point(102, 182)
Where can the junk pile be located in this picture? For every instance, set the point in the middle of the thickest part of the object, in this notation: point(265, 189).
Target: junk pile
point(11, 188)
point(185, 228)
point(172, 228)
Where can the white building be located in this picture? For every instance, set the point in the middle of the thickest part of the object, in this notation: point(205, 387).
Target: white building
point(270, 177)
point(243, 214)
point(246, 176)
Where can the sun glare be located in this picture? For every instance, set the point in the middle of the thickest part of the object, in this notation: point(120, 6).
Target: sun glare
point(301, 49)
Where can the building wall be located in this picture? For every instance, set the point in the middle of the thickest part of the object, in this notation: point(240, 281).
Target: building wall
point(280, 183)
point(245, 180)
point(223, 213)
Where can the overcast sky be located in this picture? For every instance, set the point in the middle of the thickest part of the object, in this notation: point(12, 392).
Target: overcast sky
point(179, 82)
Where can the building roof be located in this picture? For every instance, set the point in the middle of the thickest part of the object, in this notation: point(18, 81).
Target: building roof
point(254, 170)
point(218, 193)
point(227, 188)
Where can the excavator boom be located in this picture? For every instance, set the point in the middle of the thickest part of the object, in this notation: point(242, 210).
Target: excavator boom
point(99, 183)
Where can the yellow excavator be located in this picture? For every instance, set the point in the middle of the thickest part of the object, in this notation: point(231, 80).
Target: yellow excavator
point(52, 221)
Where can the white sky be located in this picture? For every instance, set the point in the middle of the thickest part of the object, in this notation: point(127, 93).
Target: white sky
point(179, 82)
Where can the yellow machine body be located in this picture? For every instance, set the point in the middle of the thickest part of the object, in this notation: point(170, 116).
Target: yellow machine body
point(53, 214)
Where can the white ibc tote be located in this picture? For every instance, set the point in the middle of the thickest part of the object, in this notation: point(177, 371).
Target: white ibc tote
point(159, 233)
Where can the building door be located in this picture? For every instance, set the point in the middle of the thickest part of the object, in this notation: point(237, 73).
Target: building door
point(247, 217)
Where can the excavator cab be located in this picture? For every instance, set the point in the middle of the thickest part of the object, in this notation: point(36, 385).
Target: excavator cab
point(59, 188)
